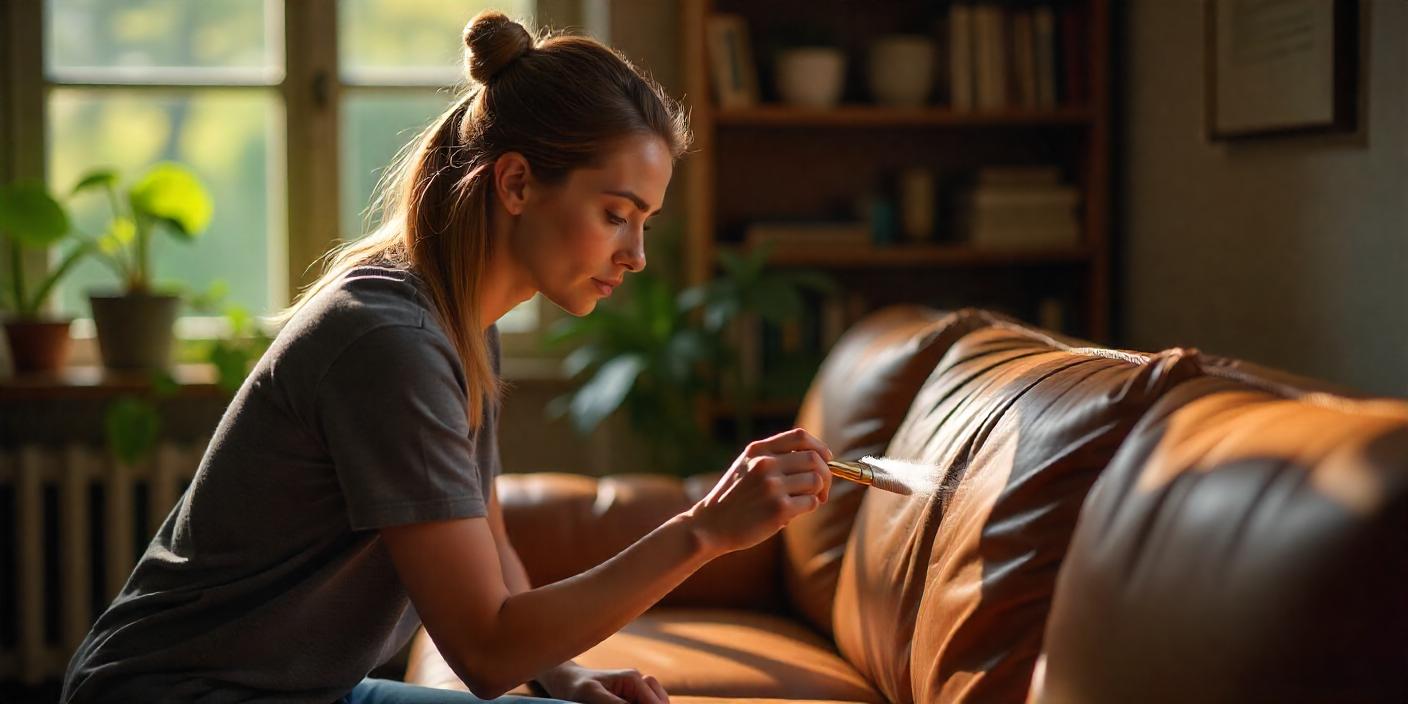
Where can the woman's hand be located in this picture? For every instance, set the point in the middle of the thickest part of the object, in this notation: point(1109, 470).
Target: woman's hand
point(772, 482)
point(580, 684)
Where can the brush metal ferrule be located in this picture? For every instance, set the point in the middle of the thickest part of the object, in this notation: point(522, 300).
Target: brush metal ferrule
point(858, 472)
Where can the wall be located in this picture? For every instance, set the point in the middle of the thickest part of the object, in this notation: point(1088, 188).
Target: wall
point(1291, 252)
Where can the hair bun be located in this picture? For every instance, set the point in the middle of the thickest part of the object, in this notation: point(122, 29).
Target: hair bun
point(493, 41)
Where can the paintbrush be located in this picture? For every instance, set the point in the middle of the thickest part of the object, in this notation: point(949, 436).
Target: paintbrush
point(862, 472)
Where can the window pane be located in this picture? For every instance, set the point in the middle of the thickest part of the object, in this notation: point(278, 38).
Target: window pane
point(408, 40)
point(228, 137)
point(118, 36)
point(375, 126)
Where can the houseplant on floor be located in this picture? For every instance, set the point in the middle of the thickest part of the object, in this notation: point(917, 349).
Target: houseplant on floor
point(135, 323)
point(31, 219)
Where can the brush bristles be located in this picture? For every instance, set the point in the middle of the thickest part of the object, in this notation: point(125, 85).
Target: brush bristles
point(888, 483)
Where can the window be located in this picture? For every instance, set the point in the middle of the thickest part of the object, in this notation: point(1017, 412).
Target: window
point(247, 93)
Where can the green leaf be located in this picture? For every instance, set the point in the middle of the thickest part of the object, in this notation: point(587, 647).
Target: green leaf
point(601, 396)
point(30, 215)
point(239, 318)
point(120, 233)
point(818, 281)
point(131, 426)
point(775, 300)
point(580, 359)
point(208, 302)
point(173, 194)
point(231, 365)
point(692, 298)
point(96, 178)
point(163, 384)
point(73, 256)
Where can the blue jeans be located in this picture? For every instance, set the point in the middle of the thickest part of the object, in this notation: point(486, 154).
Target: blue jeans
point(375, 691)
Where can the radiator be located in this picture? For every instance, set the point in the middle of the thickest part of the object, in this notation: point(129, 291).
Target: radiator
point(74, 521)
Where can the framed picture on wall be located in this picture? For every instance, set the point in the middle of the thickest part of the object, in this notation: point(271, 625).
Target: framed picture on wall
point(1281, 67)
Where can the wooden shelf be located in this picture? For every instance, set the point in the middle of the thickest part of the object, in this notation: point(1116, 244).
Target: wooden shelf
point(879, 116)
point(917, 255)
point(95, 382)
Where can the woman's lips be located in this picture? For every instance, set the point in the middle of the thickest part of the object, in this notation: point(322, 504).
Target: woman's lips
point(605, 289)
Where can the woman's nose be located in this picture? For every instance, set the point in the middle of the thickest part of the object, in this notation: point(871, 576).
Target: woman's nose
point(633, 257)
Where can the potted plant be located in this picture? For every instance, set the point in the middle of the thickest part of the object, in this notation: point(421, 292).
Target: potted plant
point(31, 219)
point(651, 354)
point(135, 322)
point(639, 352)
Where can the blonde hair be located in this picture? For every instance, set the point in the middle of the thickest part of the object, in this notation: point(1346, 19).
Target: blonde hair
point(562, 102)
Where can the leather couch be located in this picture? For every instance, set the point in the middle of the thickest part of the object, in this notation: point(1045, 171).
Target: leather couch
point(1104, 526)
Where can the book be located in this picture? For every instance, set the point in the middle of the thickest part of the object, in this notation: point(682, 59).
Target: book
point(961, 60)
point(991, 56)
point(1024, 59)
point(1044, 41)
point(730, 57)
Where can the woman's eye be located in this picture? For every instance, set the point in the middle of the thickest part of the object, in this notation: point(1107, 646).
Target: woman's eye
point(614, 219)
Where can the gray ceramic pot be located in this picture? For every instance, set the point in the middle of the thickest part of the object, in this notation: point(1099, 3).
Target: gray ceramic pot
point(135, 330)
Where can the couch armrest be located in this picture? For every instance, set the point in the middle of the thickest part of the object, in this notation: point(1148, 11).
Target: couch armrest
point(563, 524)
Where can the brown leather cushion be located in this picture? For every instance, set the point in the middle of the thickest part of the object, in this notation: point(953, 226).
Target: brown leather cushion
point(564, 524)
point(1247, 544)
point(943, 595)
point(703, 652)
point(854, 405)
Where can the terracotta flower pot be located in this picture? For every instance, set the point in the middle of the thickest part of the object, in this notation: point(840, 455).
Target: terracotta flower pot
point(135, 329)
point(38, 345)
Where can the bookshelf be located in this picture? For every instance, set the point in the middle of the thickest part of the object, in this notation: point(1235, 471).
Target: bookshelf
point(768, 159)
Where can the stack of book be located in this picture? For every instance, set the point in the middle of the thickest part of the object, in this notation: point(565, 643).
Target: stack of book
point(1019, 208)
point(792, 235)
point(1027, 56)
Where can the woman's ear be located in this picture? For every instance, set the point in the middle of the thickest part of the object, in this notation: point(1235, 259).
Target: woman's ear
point(512, 181)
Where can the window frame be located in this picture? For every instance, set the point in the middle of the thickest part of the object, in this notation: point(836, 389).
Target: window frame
point(311, 90)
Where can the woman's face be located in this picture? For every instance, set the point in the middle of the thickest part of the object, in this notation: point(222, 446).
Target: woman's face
point(575, 241)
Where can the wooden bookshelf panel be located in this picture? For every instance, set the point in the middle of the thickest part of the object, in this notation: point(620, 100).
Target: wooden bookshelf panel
point(776, 162)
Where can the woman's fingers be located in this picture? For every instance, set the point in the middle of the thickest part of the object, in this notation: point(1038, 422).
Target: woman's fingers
point(798, 505)
point(799, 483)
point(658, 688)
point(812, 474)
point(645, 694)
point(793, 440)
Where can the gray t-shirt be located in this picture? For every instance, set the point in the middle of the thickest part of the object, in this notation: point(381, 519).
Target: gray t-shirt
point(268, 581)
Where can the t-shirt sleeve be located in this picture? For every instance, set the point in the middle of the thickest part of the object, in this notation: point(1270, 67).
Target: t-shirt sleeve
point(391, 410)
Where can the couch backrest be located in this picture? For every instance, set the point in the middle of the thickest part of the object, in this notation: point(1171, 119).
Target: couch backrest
point(1248, 543)
point(942, 596)
point(854, 405)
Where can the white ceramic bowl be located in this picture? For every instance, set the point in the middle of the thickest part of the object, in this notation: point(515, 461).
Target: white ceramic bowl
point(811, 76)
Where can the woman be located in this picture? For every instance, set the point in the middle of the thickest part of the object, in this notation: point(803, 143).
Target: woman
point(347, 495)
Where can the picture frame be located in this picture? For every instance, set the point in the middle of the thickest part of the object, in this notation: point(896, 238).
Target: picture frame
point(731, 67)
point(1273, 69)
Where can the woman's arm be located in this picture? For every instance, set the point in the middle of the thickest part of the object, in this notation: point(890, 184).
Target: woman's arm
point(515, 576)
point(495, 639)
